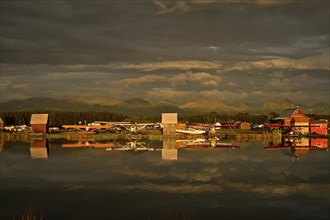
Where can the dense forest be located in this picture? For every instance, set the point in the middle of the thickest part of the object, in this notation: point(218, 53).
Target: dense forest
point(57, 118)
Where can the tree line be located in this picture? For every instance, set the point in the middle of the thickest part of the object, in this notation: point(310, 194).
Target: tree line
point(57, 118)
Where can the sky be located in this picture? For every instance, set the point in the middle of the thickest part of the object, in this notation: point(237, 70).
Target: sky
point(250, 51)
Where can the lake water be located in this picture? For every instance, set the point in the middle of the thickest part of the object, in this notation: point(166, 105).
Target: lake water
point(153, 179)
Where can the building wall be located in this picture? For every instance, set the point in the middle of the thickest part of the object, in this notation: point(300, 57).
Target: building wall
point(39, 128)
point(245, 125)
point(319, 128)
point(170, 118)
point(301, 127)
point(169, 121)
point(169, 129)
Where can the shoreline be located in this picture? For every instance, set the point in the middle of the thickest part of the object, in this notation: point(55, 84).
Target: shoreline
point(237, 134)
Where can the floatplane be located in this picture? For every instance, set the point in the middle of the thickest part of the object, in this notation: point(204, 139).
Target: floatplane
point(190, 130)
point(108, 125)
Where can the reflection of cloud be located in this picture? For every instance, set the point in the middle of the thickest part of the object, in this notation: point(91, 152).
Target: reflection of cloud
point(179, 6)
point(313, 190)
point(206, 174)
point(252, 2)
point(212, 47)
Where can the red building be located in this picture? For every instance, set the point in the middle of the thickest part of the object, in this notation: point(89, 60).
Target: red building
point(39, 123)
point(318, 127)
point(288, 115)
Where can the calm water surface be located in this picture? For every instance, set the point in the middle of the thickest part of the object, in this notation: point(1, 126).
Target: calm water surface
point(70, 180)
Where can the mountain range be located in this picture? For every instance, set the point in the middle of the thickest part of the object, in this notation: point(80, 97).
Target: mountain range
point(141, 107)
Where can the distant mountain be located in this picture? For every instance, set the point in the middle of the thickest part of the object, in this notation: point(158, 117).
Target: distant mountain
point(141, 107)
point(276, 106)
point(206, 105)
point(47, 104)
point(279, 106)
point(99, 101)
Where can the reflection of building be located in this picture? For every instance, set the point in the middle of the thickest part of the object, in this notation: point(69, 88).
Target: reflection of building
point(169, 151)
point(319, 143)
point(39, 149)
point(1, 123)
point(2, 144)
point(295, 147)
point(39, 123)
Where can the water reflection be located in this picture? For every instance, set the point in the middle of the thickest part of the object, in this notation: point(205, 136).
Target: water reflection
point(39, 149)
point(2, 144)
point(295, 147)
point(169, 148)
point(169, 151)
point(129, 182)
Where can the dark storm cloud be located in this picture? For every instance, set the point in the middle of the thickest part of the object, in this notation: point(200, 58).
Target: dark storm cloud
point(74, 32)
point(233, 50)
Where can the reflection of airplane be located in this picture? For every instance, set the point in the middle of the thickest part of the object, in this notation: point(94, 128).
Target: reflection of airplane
point(132, 145)
point(92, 144)
point(205, 143)
point(295, 147)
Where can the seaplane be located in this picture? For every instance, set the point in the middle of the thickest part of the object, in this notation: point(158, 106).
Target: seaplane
point(190, 130)
point(108, 125)
point(131, 127)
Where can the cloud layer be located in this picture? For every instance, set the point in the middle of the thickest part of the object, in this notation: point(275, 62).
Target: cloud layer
point(238, 51)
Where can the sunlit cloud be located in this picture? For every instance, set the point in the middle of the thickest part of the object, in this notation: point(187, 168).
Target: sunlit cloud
point(140, 80)
point(279, 84)
point(309, 63)
point(168, 93)
point(201, 77)
point(180, 65)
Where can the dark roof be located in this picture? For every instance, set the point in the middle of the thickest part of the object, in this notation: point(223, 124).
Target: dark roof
point(287, 113)
point(319, 121)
